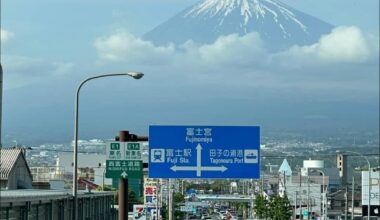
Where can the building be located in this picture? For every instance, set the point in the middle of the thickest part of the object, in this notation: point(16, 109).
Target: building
point(307, 189)
point(90, 167)
point(14, 170)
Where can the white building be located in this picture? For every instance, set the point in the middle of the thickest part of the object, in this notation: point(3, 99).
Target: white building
point(92, 161)
point(304, 190)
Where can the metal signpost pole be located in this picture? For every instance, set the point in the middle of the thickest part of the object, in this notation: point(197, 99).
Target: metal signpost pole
point(123, 183)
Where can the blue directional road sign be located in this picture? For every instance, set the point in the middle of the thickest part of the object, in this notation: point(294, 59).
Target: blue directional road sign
point(204, 152)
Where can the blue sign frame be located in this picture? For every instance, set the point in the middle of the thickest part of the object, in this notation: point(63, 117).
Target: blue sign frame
point(204, 152)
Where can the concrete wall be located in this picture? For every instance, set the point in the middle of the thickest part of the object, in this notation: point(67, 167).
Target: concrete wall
point(55, 205)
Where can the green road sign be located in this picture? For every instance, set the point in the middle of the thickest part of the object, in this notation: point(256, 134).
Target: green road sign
point(115, 146)
point(123, 151)
point(131, 169)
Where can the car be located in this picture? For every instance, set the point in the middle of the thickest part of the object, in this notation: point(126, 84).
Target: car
point(206, 216)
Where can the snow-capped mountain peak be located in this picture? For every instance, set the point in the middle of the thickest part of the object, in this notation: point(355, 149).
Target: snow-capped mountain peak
point(249, 9)
point(278, 25)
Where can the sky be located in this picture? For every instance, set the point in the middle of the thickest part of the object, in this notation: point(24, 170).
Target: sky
point(48, 47)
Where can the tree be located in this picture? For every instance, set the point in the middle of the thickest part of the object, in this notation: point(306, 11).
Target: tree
point(261, 207)
point(178, 199)
point(220, 186)
point(240, 207)
point(132, 199)
point(280, 208)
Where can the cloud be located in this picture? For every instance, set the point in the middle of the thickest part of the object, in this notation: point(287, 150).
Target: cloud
point(20, 71)
point(342, 45)
point(124, 47)
point(5, 35)
point(232, 49)
point(341, 62)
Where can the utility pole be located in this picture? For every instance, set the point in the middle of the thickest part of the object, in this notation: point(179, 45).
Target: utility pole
point(161, 183)
point(170, 199)
point(157, 209)
point(352, 197)
point(346, 204)
point(295, 205)
point(300, 193)
point(284, 184)
point(308, 196)
point(252, 194)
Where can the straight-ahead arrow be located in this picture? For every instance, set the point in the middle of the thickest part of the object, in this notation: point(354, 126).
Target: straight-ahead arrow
point(199, 159)
point(124, 174)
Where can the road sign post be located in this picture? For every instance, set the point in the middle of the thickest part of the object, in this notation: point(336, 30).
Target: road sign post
point(204, 152)
point(124, 160)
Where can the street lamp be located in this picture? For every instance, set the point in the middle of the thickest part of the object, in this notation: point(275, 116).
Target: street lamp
point(369, 178)
point(135, 75)
point(324, 207)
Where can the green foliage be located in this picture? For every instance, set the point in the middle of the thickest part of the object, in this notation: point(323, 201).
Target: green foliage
point(220, 186)
point(277, 208)
point(240, 207)
point(280, 208)
point(178, 198)
point(217, 187)
point(104, 188)
point(164, 212)
point(261, 206)
point(132, 199)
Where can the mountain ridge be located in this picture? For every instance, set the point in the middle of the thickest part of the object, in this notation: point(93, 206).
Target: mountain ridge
point(279, 25)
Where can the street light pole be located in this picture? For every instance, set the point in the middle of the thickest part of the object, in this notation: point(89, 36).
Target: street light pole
point(135, 75)
point(324, 206)
point(1, 100)
point(369, 179)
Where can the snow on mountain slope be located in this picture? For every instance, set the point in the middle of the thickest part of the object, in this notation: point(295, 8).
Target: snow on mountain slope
point(279, 25)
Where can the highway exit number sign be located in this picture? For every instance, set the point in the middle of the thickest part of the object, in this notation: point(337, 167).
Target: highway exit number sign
point(124, 160)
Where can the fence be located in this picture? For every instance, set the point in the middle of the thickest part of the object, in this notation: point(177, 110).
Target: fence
point(55, 205)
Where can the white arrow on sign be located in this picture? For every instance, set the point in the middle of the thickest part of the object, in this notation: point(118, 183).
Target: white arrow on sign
point(199, 167)
point(176, 168)
point(199, 159)
point(124, 174)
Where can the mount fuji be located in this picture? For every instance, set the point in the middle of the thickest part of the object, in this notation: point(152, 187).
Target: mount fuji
point(278, 25)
